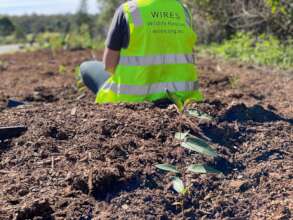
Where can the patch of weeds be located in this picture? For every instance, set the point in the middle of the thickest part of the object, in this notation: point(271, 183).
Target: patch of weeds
point(264, 49)
point(61, 69)
point(3, 65)
point(234, 81)
point(79, 83)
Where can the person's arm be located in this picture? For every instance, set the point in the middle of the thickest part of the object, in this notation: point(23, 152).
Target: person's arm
point(111, 59)
point(118, 38)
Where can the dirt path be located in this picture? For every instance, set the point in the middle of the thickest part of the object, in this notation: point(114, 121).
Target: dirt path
point(82, 161)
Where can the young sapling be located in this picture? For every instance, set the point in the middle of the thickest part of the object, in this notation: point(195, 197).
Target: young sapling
point(192, 143)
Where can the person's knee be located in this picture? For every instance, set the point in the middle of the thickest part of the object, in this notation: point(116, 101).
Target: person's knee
point(84, 68)
point(92, 68)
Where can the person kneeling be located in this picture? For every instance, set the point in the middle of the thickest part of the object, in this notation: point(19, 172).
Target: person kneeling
point(148, 51)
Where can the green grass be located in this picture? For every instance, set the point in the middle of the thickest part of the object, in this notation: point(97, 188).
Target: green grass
point(262, 50)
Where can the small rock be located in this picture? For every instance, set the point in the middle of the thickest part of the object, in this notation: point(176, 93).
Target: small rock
point(73, 111)
point(125, 207)
point(241, 185)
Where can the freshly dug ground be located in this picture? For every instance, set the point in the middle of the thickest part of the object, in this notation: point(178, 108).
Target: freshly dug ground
point(79, 160)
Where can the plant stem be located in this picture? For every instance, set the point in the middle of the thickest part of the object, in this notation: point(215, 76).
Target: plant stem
point(182, 208)
point(180, 122)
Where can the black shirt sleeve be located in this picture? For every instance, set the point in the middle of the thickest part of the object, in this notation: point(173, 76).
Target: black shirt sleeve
point(118, 35)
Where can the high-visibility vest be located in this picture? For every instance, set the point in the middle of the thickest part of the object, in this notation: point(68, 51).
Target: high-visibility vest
point(159, 56)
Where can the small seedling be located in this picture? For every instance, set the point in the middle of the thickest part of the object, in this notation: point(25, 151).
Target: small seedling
point(79, 83)
point(179, 186)
point(192, 143)
point(61, 69)
point(183, 191)
point(234, 81)
point(177, 101)
point(180, 106)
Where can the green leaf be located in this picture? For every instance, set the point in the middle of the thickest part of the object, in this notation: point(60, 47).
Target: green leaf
point(203, 169)
point(167, 167)
point(176, 100)
point(77, 73)
point(198, 145)
point(199, 114)
point(188, 101)
point(178, 185)
point(181, 136)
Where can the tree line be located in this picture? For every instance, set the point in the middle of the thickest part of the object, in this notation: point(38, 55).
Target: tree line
point(217, 20)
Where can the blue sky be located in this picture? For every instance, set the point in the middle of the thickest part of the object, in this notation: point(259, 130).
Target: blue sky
point(19, 7)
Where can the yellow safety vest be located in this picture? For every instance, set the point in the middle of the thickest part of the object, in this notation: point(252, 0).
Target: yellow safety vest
point(159, 56)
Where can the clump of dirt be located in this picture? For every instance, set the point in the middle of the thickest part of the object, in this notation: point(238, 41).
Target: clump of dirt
point(224, 133)
point(255, 113)
point(36, 210)
point(107, 181)
point(220, 81)
point(57, 133)
point(41, 94)
point(100, 182)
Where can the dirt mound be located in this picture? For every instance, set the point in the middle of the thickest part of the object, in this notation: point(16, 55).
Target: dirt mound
point(78, 160)
point(41, 94)
point(255, 113)
point(36, 210)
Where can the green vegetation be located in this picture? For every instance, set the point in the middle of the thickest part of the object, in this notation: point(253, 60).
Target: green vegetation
point(79, 39)
point(6, 26)
point(78, 31)
point(27, 28)
point(3, 65)
point(79, 83)
point(264, 50)
point(218, 20)
point(61, 69)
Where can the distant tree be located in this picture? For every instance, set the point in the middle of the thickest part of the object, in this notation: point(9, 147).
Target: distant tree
point(216, 20)
point(6, 26)
point(19, 33)
point(82, 16)
point(107, 9)
point(83, 7)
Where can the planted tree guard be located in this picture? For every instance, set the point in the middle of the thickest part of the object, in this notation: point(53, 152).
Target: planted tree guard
point(11, 132)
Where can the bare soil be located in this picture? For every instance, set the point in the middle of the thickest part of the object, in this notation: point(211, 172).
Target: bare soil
point(79, 160)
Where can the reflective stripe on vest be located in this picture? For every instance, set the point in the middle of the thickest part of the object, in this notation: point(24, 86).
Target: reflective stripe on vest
point(135, 13)
point(152, 88)
point(156, 60)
